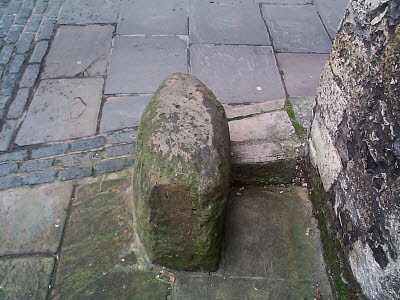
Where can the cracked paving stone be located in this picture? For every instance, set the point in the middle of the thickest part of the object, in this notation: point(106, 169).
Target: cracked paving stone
point(122, 112)
point(296, 28)
point(79, 50)
point(62, 109)
point(33, 218)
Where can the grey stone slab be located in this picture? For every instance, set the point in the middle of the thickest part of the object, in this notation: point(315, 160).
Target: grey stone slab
point(33, 218)
point(153, 17)
point(286, 2)
point(74, 173)
point(25, 42)
point(30, 75)
point(122, 137)
point(13, 7)
point(51, 150)
point(303, 110)
point(14, 156)
point(33, 23)
point(40, 177)
point(238, 74)
point(17, 106)
point(120, 150)
point(240, 111)
point(87, 144)
point(112, 165)
point(39, 52)
point(212, 23)
point(14, 34)
point(62, 109)
point(22, 16)
point(271, 233)
point(7, 21)
point(7, 169)
point(296, 28)
point(16, 64)
point(6, 53)
point(139, 64)
point(10, 182)
point(301, 72)
point(79, 50)
point(206, 287)
point(332, 13)
point(46, 29)
point(122, 112)
point(89, 11)
point(36, 165)
point(40, 7)
point(25, 277)
point(8, 84)
point(7, 133)
point(3, 101)
point(77, 159)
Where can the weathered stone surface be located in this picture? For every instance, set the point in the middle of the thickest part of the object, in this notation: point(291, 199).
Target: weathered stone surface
point(238, 74)
point(302, 108)
point(154, 17)
point(205, 287)
point(332, 13)
point(32, 219)
point(212, 23)
point(98, 258)
point(62, 109)
point(239, 111)
point(182, 175)
point(79, 50)
point(301, 72)
point(264, 148)
point(357, 117)
point(296, 28)
point(141, 71)
point(25, 277)
point(89, 12)
point(122, 112)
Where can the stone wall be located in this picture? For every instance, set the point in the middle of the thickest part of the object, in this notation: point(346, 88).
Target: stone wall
point(355, 142)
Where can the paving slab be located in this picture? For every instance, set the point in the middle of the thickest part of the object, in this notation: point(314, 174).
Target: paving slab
point(205, 287)
point(239, 111)
point(140, 64)
point(296, 28)
point(89, 11)
point(264, 149)
point(238, 73)
point(80, 50)
point(332, 13)
point(62, 109)
point(32, 219)
point(272, 234)
point(122, 112)
point(153, 17)
point(213, 23)
point(25, 277)
point(99, 258)
point(301, 72)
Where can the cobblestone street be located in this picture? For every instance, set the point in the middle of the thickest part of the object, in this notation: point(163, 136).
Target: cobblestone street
point(75, 78)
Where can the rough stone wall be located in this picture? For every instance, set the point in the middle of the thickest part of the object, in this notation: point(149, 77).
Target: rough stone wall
point(355, 142)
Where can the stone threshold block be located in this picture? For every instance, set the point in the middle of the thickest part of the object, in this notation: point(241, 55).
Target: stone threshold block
point(264, 149)
point(182, 175)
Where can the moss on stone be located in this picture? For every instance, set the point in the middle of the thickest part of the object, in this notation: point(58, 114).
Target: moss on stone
point(343, 283)
point(182, 235)
point(300, 130)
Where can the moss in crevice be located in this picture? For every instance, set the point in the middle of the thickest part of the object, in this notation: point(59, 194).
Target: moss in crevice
point(299, 129)
point(341, 277)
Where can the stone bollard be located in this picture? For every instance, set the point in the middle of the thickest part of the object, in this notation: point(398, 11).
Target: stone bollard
point(182, 175)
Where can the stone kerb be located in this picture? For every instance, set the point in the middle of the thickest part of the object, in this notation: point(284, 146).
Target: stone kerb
point(182, 175)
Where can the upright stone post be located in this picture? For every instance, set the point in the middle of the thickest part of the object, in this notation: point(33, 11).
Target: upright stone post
point(355, 142)
point(182, 175)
